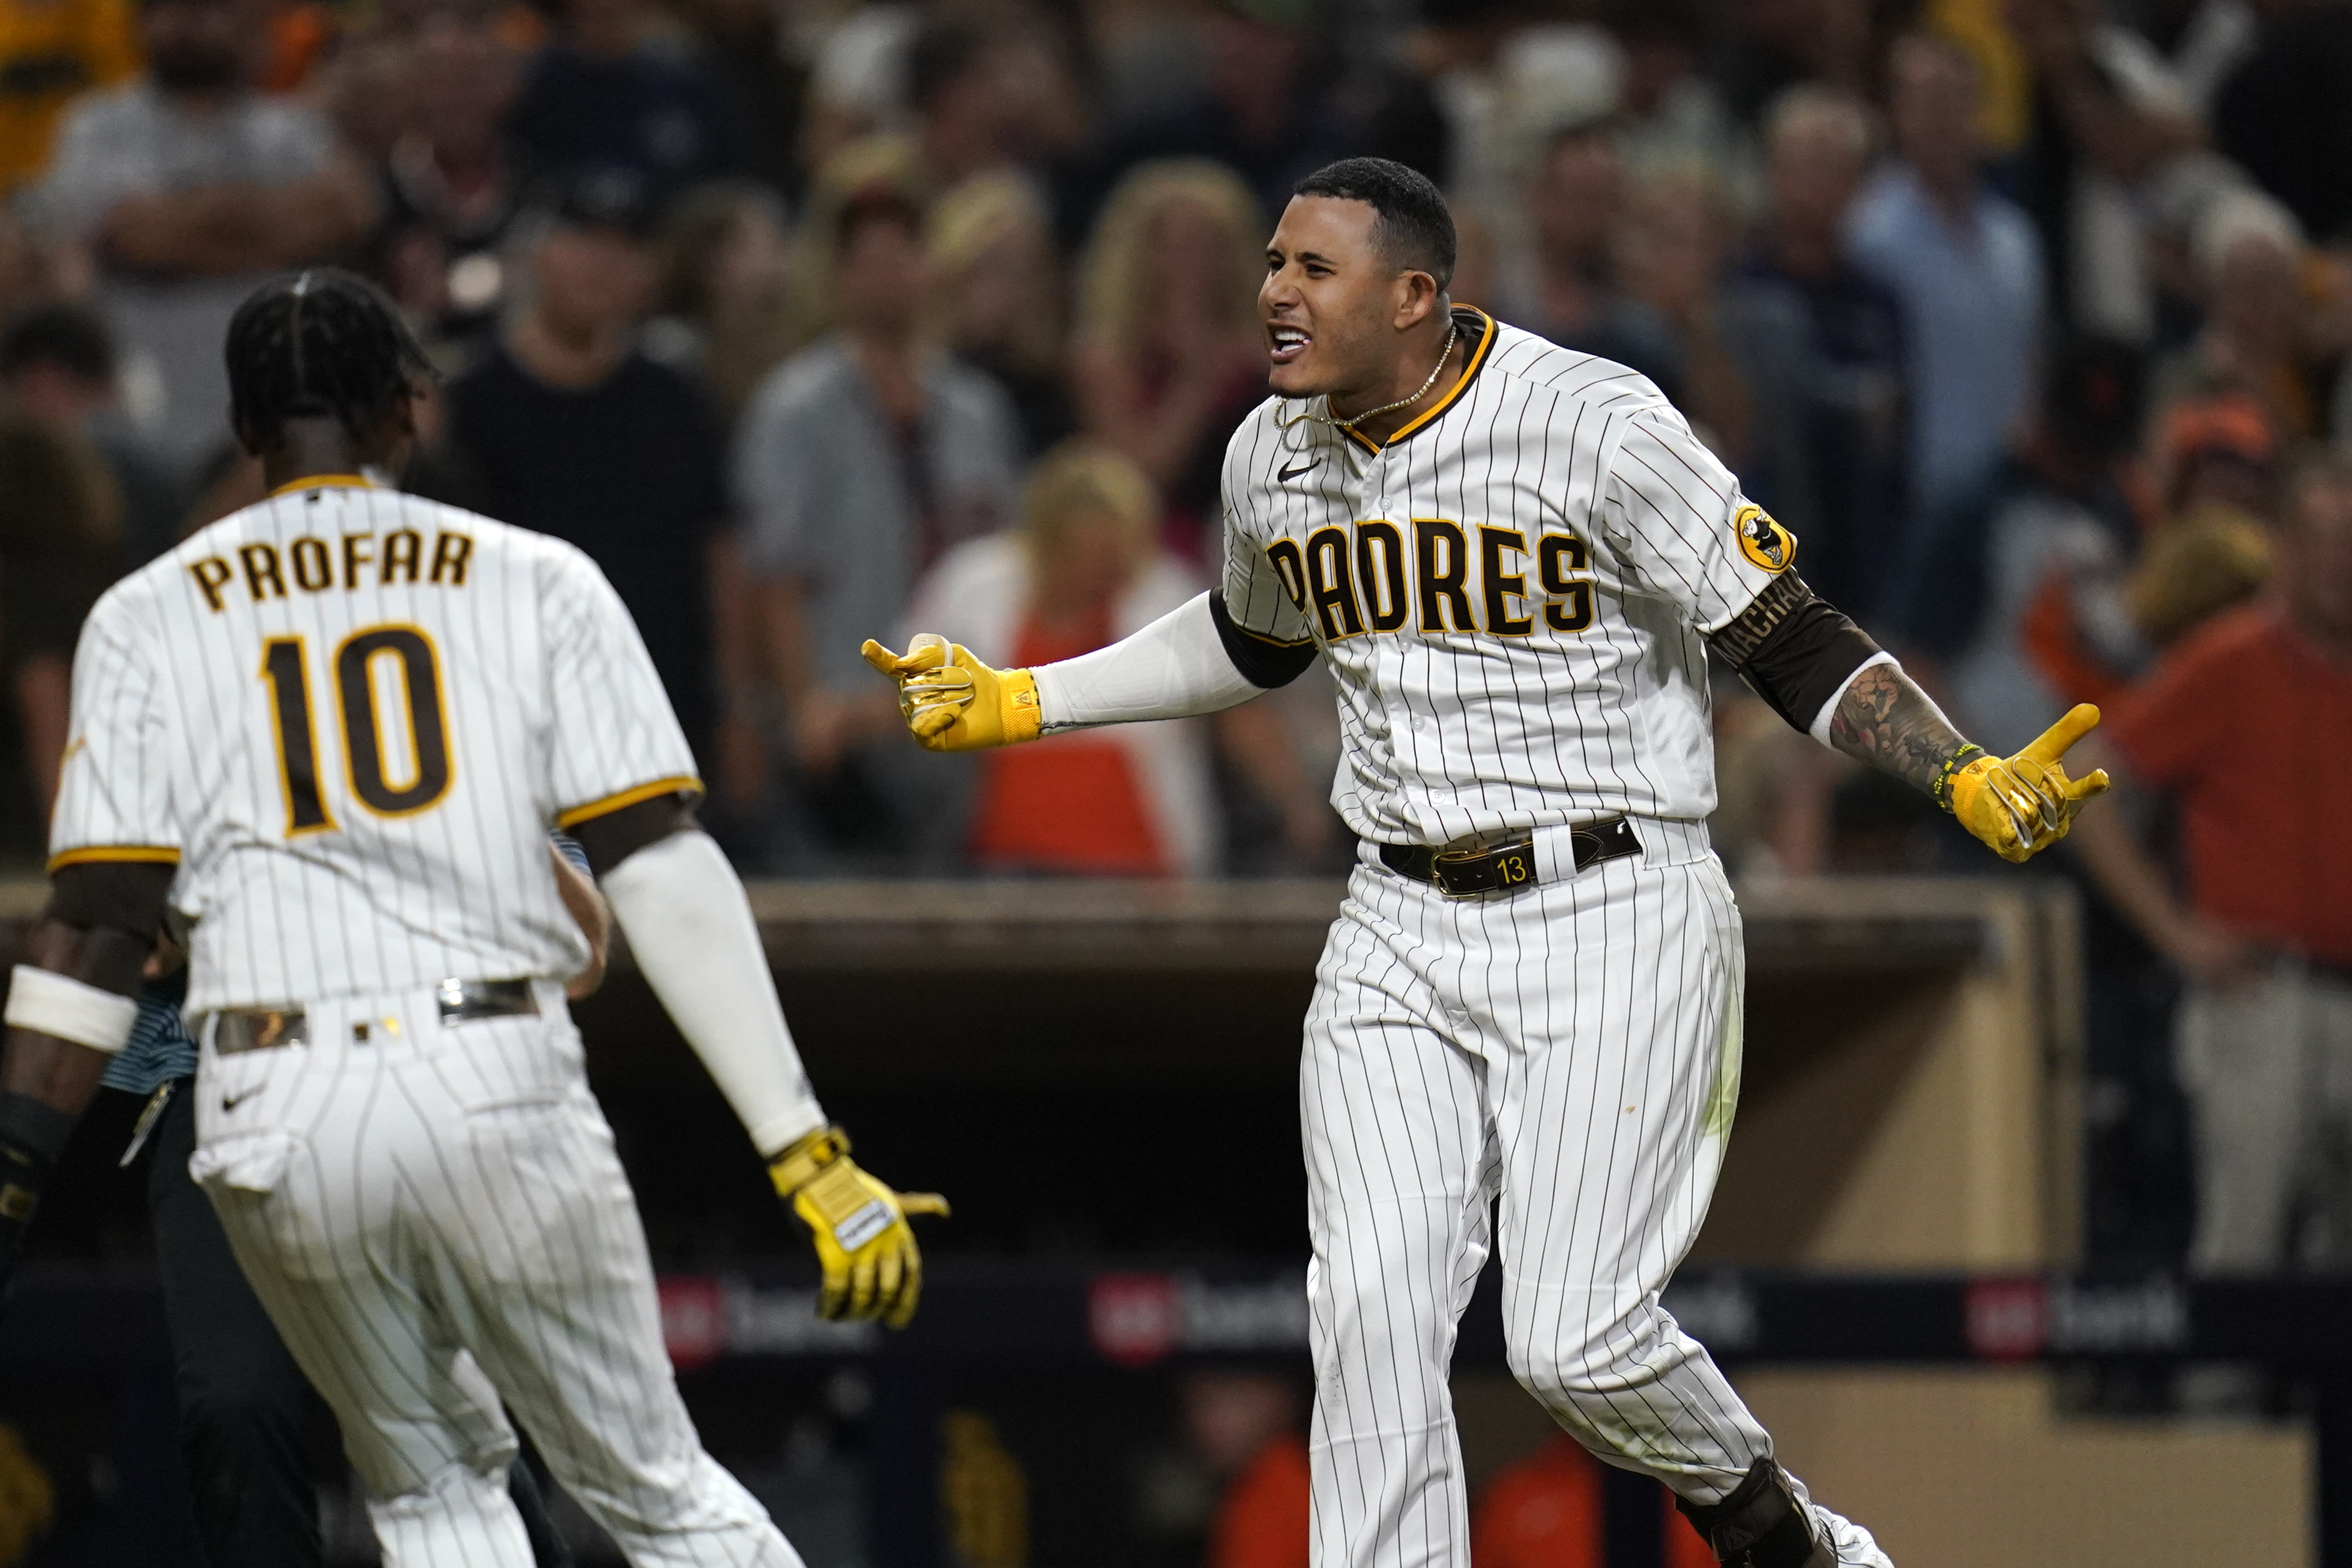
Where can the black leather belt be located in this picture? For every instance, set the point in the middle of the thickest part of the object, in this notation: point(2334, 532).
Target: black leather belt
point(1505, 868)
point(457, 1001)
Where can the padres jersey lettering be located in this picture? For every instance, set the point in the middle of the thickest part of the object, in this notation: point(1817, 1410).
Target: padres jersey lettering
point(367, 708)
point(1513, 612)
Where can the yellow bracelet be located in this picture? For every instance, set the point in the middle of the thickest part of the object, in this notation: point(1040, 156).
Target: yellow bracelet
point(1941, 788)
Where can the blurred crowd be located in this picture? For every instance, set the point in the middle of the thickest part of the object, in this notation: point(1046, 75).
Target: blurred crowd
point(812, 320)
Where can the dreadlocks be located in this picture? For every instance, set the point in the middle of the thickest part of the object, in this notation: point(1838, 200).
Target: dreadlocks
point(324, 343)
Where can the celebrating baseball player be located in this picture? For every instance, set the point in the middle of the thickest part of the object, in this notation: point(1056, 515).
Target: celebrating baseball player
point(331, 732)
point(1516, 559)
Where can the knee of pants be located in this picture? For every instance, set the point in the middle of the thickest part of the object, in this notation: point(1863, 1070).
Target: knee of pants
point(1561, 1360)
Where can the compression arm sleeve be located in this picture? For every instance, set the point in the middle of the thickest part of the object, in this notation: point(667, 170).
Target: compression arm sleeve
point(1177, 667)
point(1797, 653)
point(690, 924)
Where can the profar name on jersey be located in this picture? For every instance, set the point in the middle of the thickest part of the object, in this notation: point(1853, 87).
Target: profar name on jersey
point(310, 565)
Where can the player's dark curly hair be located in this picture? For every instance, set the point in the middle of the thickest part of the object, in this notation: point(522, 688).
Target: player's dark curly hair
point(1416, 227)
point(322, 343)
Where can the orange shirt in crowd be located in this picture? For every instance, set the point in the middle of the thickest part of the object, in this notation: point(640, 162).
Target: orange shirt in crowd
point(2249, 730)
point(1069, 802)
point(51, 52)
point(1545, 1511)
point(1261, 1523)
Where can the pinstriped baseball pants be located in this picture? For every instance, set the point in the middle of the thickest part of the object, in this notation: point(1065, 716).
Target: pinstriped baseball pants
point(1574, 1047)
point(435, 1221)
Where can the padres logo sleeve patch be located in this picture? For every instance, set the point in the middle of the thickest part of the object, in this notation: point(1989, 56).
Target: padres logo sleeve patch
point(1768, 546)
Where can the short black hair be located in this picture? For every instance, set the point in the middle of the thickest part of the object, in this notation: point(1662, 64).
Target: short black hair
point(70, 337)
point(1415, 228)
point(320, 343)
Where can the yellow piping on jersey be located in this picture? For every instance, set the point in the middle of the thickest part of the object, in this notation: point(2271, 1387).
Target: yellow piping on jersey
point(627, 798)
point(1477, 358)
point(115, 855)
point(324, 482)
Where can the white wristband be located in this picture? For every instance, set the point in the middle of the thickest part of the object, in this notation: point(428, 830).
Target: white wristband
point(61, 1005)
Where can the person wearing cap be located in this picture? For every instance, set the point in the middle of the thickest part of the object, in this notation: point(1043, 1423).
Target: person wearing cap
point(567, 426)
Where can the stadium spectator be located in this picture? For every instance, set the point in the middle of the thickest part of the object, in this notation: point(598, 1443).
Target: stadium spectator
point(1966, 269)
point(762, 80)
point(859, 462)
point(999, 286)
point(1169, 353)
point(1244, 1425)
point(452, 186)
point(61, 524)
point(1675, 255)
point(51, 52)
point(726, 264)
point(1670, 118)
point(1548, 1512)
point(1083, 569)
point(1566, 288)
point(1820, 347)
point(2249, 254)
point(2246, 725)
point(567, 426)
point(1276, 102)
point(185, 187)
point(59, 368)
point(2109, 116)
point(611, 90)
point(2066, 520)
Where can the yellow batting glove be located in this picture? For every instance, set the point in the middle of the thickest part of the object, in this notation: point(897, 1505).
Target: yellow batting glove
point(872, 1267)
point(952, 702)
point(2021, 805)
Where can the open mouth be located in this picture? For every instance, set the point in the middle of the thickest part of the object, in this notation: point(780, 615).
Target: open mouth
point(1286, 343)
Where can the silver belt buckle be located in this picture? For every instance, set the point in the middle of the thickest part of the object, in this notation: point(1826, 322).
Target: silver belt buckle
point(238, 1030)
point(463, 1001)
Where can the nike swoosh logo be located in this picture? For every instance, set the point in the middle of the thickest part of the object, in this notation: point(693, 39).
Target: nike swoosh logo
point(1287, 475)
point(231, 1102)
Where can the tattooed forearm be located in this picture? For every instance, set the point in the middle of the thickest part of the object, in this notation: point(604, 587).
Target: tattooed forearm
point(1888, 722)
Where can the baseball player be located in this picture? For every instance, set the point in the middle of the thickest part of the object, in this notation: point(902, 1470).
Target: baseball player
point(331, 731)
point(1516, 559)
point(247, 1416)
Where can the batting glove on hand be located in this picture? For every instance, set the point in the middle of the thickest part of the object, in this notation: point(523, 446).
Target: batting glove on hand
point(952, 702)
point(872, 1267)
point(2021, 805)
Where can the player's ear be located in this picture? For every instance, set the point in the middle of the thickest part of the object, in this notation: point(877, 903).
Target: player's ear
point(1417, 297)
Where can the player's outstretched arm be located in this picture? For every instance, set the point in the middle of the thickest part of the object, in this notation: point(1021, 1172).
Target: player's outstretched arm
point(690, 924)
point(70, 1009)
point(2017, 805)
point(1192, 661)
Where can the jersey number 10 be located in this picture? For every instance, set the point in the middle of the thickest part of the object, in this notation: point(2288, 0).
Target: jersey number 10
point(286, 670)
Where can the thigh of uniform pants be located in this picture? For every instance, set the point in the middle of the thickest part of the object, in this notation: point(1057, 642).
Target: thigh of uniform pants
point(336, 1249)
point(1393, 1122)
point(1608, 1010)
point(561, 1309)
point(2242, 1064)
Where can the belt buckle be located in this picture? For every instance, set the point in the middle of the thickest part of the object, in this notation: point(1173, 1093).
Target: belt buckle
point(260, 1028)
point(1474, 871)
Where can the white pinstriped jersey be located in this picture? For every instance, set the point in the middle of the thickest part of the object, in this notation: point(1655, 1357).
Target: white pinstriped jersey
point(1510, 592)
point(351, 716)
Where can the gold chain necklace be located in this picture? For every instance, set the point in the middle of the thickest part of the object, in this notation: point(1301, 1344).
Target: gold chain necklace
point(1452, 330)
